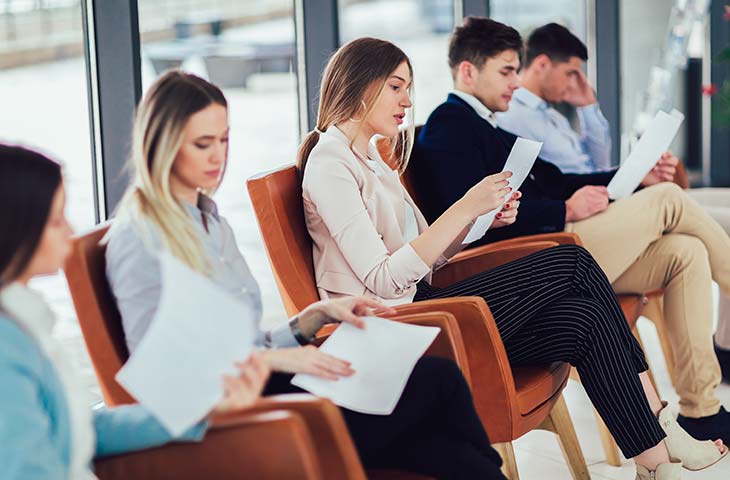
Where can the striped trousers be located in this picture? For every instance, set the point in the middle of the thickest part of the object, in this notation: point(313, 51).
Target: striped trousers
point(558, 305)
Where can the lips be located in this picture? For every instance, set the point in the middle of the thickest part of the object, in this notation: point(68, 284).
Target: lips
point(213, 173)
point(399, 118)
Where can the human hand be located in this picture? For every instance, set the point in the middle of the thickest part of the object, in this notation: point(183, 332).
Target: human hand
point(347, 309)
point(487, 195)
point(663, 171)
point(580, 93)
point(586, 202)
point(308, 359)
point(243, 390)
point(508, 214)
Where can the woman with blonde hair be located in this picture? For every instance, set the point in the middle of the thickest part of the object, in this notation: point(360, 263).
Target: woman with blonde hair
point(179, 154)
point(555, 305)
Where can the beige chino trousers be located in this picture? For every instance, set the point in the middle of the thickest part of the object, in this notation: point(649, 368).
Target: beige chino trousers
point(661, 238)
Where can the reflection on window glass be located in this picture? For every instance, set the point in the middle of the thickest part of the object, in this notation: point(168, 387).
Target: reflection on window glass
point(421, 28)
point(41, 41)
point(246, 47)
point(527, 15)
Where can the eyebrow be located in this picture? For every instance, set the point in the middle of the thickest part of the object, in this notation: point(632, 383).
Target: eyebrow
point(210, 137)
point(509, 67)
point(400, 78)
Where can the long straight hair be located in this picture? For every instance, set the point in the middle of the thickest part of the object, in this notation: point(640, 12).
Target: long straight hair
point(353, 81)
point(28, 183)
point(157, 136)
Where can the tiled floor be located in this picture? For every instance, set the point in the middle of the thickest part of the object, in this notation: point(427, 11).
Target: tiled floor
point(539, 456)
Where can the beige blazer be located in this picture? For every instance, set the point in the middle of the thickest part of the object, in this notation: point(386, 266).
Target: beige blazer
point(356, 220)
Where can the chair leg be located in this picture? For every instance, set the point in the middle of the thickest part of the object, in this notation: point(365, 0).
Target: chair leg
point(509, 465)
point(613, 457)
point(637, 335)
point(559, 422)
point(654, 311)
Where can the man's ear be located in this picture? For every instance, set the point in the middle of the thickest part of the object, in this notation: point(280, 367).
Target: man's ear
point(541, 63)
point(465, 72)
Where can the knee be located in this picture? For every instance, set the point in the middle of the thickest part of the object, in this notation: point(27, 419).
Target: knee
point(686, 251)
point(668, 192)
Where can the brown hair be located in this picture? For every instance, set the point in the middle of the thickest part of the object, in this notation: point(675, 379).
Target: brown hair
point(353, 81)
point(480, 38)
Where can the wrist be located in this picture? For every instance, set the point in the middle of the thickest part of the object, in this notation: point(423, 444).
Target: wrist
point(309, 321)
point(463, 211)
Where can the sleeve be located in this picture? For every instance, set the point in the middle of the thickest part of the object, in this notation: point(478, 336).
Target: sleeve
point(27, 452)
point(135, 280)
point(333, 189)
point(282, 337)
point(131, 427)
point(575, 181)
point(595, 136)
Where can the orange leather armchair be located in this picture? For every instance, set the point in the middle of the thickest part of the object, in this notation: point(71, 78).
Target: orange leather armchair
point(510, 402)
point(283, 436)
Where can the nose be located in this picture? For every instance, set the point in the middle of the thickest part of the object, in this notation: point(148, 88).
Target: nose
point(517, 82)
point(219, 154)
point(406, 103)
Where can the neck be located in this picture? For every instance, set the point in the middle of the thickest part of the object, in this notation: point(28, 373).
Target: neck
point(182, 192)
point(358, 133)
point(463, 88)
point(532, 84)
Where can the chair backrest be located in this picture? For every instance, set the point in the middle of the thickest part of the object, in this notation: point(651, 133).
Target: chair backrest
point(277, 201)
point(99, 318)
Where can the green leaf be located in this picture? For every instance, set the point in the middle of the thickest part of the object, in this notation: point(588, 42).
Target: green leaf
point(724, 55)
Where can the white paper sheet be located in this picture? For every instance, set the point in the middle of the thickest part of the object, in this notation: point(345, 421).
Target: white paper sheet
point(383, 356)
point(520, 162)
point(655, 141)
point(197, 334)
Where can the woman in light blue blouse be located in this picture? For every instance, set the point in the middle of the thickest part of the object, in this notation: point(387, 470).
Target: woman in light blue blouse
point(47, 428)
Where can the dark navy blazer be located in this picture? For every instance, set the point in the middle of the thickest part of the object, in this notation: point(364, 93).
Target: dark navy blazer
point(457, 148)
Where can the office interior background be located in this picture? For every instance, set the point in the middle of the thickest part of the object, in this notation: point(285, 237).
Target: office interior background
point(71, 72)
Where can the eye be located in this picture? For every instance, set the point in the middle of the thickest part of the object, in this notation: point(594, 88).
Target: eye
point(395, 88)
point(202, 146)
point(224, 140)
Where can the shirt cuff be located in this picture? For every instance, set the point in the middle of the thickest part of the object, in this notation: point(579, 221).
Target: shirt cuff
point(410, 267)
point(282, 337)
point(591, 115)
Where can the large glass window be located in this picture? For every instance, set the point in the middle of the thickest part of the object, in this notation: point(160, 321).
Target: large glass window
point(247, 48)
point(527, 15)
point(421, 28)
point(43, 93)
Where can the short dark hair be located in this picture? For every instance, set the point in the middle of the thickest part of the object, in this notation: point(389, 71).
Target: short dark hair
point(480, 38)
point(556, 42)
point(28, 183)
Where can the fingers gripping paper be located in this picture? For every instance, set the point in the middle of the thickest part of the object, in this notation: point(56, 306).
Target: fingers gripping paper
point(520, 162)
point(383, 356)
point(197, 334)
point(652, 144)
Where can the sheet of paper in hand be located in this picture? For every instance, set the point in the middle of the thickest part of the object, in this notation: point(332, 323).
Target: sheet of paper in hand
point(382, 354)
point(520, 162)
point(655, 141)
point(198, 332)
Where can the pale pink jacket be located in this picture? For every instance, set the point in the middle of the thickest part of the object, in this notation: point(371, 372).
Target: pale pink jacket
point(356, 220)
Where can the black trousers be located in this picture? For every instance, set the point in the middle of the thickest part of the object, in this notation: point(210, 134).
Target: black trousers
point(558, 305)
point(434, 429)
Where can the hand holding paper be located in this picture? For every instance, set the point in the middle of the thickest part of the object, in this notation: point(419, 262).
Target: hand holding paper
point(520, 162)
point(382, 354)
point(198, 333)
point(652, 144)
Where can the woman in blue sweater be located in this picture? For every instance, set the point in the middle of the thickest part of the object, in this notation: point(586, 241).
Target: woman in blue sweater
point(47, 427)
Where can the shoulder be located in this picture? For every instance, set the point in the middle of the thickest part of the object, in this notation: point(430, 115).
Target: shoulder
point(18, 349)
point(331, 157)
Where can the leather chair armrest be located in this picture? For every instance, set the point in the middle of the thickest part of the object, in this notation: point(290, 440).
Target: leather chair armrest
point(487, 359)
point(471, 262)
point(449, 342)
point(561, 238)
point(264, 445)
point(338, 458)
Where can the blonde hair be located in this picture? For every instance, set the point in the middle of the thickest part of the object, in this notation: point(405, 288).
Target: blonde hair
point(353, 81)
point(157, 136)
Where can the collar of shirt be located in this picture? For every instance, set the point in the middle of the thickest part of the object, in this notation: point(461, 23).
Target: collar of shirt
point(372, 160)
point(205, 205)
point(478, 106)
point(529, 99)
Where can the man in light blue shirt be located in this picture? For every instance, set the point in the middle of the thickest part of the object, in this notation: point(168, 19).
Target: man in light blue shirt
point(552, 74)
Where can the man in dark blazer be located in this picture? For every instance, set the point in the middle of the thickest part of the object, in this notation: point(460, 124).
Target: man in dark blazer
point(656, 238)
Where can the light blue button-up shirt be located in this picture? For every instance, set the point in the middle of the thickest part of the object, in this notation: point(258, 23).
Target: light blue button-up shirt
point(133, 271)
point(531, 117)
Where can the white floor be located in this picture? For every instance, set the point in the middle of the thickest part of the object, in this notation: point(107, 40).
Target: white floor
point(539, 456)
